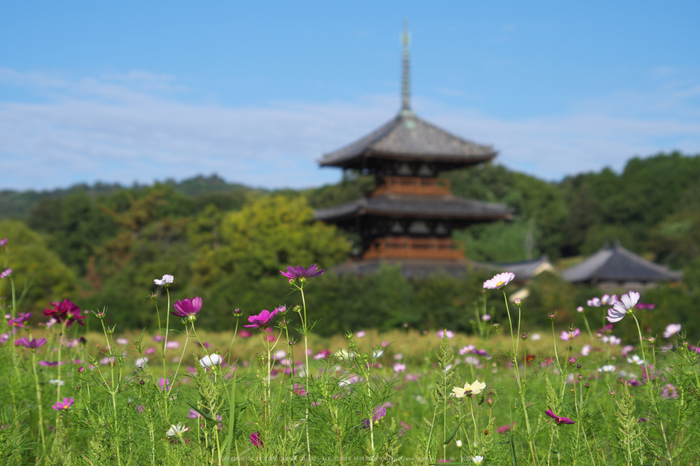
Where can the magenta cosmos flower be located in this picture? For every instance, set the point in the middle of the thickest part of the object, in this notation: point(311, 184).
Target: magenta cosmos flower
point(188, 308)
point(67, 403)
point(621, 308)
point(256, 440)
point(65, 311)
point(262, 320)
point(499, 281)
point(560, 420)
point(31, 344)
point(20, 320)
point(301, 273)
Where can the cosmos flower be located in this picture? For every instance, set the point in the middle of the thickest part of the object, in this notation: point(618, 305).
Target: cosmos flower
point(178, 430)
point(621, 308)
point(65, 311)
point(188, 308)
point(166, 280)
point(20, 320)
point(468, 389)
point(210, 360)
point(478, 459)
point(566, 336)
point(301, 273)
point(399, 367)
point(560, 420)
point(6, 273)
point(261, 320)
point(499, 281)
point(256, 440)
point(141, 362)
point(377, 415)
point(607, 368)
point(672, 329)
point(450, 334)
point(586, 350)
point(67, 403)
point(635, 360)
point(29, 343)
point(669, 392)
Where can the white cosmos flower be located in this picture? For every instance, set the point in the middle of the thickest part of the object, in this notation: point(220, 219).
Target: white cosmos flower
point(469, 389)
point(166, 280)
point(635, 360)
point(141, 362)
point(499, 281)
point(586, 350)
point(178, 429)
point(210, 360)
point(672, 329)
point(620, 308)
point(607, 368)
point(477, 459)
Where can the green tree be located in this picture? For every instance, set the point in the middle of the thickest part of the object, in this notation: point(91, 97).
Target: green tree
point(34, 266)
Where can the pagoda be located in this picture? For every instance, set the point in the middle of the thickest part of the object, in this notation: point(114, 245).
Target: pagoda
point(410, 216)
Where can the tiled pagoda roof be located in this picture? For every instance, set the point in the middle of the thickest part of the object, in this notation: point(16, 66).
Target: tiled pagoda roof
point(410, 138)
point(405, 205)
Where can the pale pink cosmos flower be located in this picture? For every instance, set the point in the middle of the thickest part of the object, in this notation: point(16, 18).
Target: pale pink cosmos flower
point(621, 308)
point(450, 334)
point(595, 302)
point(360, 334)
point(166, 280)
point(586, 350)
point(466, 349)
point(566, 336)
point(499, 281)
point(6, 273)
point(486, 317)
point(399, 367)
point(672, 329)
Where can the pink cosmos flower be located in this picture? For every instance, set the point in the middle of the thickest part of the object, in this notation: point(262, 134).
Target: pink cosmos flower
point(301, 273)
point(620, 308)
point(669, 392)
point(261, 320)
point(3, 242)
point(560, 420)
point(499, 281)
point(6, 273)
point(450, 334)
point(377, 415)
point(505, 428)
point(399, 367)
point(570, 335)
point(65, 311)
point(67, 403)
point(188, 308)
point(256, 440)
point(31, 344)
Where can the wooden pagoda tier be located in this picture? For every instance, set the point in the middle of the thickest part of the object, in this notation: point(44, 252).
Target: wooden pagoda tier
point(416, 226)
point(408, 146)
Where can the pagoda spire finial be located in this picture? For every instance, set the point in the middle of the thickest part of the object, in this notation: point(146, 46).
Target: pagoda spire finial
point(405, 75)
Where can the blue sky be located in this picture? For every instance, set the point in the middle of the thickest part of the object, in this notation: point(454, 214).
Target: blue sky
point(258, 91)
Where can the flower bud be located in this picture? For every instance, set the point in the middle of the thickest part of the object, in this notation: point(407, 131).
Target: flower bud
point(237, 312)
point(518, 302)
point(496, 325)
point(489, 401)
point(572, 361)
point(524, 336)
point(459, 444)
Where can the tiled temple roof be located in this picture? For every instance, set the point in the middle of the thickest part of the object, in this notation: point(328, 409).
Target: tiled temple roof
point(617, 264)
point(410, 138)
point(405, 205)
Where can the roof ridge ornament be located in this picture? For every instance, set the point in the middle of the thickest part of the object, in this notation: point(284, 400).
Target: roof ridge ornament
point(405, 72)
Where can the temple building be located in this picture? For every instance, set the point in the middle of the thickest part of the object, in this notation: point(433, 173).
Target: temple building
point(410, 216)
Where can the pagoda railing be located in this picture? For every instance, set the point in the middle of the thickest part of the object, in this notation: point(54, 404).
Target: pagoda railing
point(413, 185)
point(405, 247)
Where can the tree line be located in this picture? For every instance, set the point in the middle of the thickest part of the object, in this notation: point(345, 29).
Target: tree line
point(103, 245)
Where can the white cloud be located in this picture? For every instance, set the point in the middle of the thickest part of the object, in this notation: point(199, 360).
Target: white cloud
point(135, 127)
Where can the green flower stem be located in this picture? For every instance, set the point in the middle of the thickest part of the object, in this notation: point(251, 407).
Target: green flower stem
point(164, 348)
point(38, 399)
point(514, 359)
point(305, 327)
point(60, 346)
point(177, 370)
point(650, 385)
point(112, 391)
